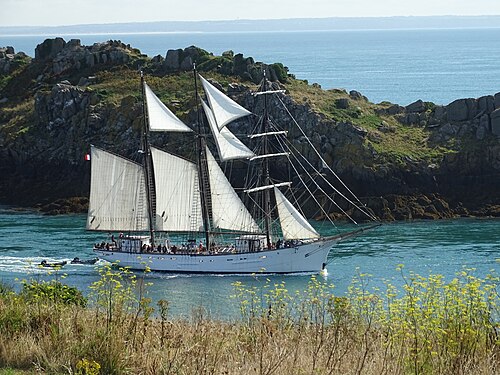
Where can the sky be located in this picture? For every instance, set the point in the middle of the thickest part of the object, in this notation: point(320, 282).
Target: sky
point(75, 12)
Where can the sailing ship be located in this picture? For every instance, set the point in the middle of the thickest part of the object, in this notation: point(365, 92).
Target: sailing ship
point(168, 213)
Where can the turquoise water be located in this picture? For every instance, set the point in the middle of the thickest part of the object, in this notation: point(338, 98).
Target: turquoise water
point(400, 66)
point(443, 247)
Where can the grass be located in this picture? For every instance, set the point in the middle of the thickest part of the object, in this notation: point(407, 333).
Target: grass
point(9, 371)
point(17, 120)
point(401, 144)
point(18, 63)
point(175, 90)
point(408, 143)
point(428, 326)
point(113, 86)
point(4, 80)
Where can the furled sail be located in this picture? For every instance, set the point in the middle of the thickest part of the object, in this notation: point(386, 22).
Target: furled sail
point(117, 194)
point(228, 145)
point(293, 224)
point(228, 211)
point(178, 205)
point(160, 117)
point(224, 108)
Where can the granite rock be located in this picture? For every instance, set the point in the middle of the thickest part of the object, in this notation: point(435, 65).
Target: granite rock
point(462, 109)
point(342, 103)
point(356, 95)
point(497, 100)
point(486, 104)
point(495, 122)
point(417, 106)
point(49, 49)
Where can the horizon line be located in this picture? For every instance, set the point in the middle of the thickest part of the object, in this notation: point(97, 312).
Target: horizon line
point(251, 20)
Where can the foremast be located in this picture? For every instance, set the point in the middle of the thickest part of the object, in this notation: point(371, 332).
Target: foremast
point(204, 180)
point(147, 162)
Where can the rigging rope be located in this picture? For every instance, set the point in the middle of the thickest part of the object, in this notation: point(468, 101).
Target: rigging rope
point(327, 166)
point(317, 186)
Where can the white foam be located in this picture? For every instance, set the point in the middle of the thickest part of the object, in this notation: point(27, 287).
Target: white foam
point(9, 264)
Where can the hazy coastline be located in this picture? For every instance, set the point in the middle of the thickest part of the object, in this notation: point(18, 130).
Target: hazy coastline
point(274, 25)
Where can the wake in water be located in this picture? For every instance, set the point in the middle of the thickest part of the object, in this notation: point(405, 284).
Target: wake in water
point(33, 265)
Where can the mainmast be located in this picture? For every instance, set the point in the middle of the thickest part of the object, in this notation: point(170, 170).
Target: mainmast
point(266, 200)
point(204, 181)
point(148, 166)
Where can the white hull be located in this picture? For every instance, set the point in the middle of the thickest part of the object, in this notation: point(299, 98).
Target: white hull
point(309, 257)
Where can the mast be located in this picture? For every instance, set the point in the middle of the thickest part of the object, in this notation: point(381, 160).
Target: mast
point(204, 181)
point(148, 165)
point(265, 168)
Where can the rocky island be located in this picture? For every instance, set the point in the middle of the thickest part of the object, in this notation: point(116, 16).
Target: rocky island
point(421, 161)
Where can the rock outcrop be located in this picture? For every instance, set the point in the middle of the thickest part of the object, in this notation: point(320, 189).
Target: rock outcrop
point(9, 60)
point(495, 122)
point(179, 60)
point(71, 56)
point(71, 96)
point(475, 116)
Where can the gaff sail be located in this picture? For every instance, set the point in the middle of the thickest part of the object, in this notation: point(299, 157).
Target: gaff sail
point(178, 205)
point(117, 194)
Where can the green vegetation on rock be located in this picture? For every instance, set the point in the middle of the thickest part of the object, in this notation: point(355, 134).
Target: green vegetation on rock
point(392, 141)
point(16, 120)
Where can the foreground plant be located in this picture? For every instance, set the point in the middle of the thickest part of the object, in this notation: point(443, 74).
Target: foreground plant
point(427, 326)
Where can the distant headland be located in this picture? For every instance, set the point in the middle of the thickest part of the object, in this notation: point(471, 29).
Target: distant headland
point(248, 25)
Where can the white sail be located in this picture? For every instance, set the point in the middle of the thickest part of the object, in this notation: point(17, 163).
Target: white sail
point(228, 145)
point(117, 194)
point(160, 117)
point(228, 211)
point(293, 224)
point(178, 205)
point(224, 108)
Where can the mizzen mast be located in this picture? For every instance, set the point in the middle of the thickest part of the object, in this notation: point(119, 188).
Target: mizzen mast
point(266, 199)
point(265, 184)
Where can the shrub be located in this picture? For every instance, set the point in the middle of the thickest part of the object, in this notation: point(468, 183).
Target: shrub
point(281, 71)
point(5, 289)
point(53, 291)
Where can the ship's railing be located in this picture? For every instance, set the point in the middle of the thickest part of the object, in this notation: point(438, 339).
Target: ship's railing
point(197, 250)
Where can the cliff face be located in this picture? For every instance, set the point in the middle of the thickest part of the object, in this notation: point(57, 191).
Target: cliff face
point(419, 161)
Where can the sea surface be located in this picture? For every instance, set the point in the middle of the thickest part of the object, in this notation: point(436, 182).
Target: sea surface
point(445, 247)
point(399, 66)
